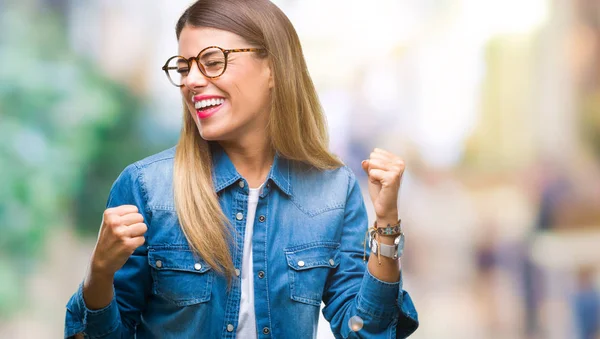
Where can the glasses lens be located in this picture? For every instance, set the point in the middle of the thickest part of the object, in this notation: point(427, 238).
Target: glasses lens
point(177, 68)
point(213, 62)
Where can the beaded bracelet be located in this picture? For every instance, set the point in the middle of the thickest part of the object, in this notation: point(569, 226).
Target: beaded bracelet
point(389, 229)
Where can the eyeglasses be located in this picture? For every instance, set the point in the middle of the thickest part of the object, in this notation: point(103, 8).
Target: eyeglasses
point(212, 62)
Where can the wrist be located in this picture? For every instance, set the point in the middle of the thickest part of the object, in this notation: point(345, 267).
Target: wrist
point(390, 218)
point(385, 239)
point(100, 270)
point(387, 228)
point(99, 276)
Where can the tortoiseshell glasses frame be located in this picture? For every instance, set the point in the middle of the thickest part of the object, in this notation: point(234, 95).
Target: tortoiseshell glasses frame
point(178, 66)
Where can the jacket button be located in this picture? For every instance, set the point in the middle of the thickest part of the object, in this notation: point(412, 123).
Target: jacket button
point(261, 218)
point(241, 183)
point(158, 263)
point(301, 263)
point(261, 274)
point(237, 272)
point(266, 330)
point(198, 266)
point(239, 216)
point(331, 262)
point(229, 328)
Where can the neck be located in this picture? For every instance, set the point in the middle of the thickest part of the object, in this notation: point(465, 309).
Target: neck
point(252, 160)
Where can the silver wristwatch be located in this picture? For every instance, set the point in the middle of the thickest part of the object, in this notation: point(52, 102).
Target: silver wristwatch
point(391, 251)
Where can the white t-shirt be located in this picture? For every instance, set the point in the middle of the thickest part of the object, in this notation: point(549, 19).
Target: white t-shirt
point(247, 318)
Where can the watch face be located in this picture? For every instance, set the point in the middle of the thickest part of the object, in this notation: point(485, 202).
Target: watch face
point(373, 245)
point(400, 243)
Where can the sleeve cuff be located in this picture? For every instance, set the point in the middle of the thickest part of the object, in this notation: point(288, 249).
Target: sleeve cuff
point(95, 323)
point(379, 298)
point(408, 321)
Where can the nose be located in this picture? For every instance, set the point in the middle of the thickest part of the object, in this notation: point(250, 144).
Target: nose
point(195, 79)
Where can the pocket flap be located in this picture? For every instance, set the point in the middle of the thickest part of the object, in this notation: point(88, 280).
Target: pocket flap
point(176, 258)
point(316, 254)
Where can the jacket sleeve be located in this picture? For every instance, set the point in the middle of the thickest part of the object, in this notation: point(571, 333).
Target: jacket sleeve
point(131, 283)
point(358, 305)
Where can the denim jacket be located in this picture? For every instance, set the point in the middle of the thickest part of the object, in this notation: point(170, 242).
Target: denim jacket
point(307, 248)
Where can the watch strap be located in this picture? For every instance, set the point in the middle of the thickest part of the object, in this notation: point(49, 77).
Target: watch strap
point(390, 251)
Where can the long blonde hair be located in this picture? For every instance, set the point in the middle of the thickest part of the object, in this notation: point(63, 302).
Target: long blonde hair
point(297, 126)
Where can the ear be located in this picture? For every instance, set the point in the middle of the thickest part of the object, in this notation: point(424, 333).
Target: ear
point(271, 79)
point(269, 71)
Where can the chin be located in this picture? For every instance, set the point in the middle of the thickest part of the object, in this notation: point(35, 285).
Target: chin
point(210, 133)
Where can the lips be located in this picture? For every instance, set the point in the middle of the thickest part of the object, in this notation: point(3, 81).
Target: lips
point(206, 112)
point(207, 105)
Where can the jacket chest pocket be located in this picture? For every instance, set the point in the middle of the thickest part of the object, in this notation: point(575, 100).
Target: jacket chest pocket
point(309, 267)
point(180, 277)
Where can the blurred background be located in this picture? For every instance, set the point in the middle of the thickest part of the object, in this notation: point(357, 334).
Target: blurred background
point(494, 105)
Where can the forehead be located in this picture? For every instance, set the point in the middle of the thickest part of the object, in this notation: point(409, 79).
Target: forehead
point(194, 39)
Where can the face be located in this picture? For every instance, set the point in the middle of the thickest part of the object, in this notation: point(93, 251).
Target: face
point(242, 94)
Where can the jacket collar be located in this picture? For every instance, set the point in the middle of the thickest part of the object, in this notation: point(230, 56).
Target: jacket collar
point(224, 172)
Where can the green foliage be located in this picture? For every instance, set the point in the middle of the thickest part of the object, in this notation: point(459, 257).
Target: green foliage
point(63, 125)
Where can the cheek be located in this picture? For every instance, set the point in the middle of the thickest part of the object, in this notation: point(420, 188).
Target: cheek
point(251, 93)
point(185, 95)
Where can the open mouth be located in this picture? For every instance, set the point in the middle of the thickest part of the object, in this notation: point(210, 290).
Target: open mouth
point(207, 107)
point(204, 105)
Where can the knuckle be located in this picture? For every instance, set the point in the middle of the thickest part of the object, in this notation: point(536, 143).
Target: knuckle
point(111, 220)
point(119, 233)
point(107, 213)
point(139, 241)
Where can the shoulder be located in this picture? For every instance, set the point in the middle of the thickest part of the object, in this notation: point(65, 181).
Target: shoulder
point(154, 167)
point(151, 176)
point(305, 175)
point(164, 158)
point(316, 191)
point(159, 165)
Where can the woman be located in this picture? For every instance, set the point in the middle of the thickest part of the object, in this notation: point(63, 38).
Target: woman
point(249, 223)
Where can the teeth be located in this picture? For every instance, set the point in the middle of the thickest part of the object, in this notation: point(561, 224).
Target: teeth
point(208, 102)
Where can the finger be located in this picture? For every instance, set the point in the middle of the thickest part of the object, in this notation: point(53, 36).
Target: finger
point(385, 157)
point(384, 178)
point(365, 166)
point(122, 210)
point(383, 152)
point(110, 219)
point(136, 230)
point(395, 164)
point(379, 153)
point(132, 218)
point(377, 175)
point(136, 242)
point(380, 164)
point(379, 156)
